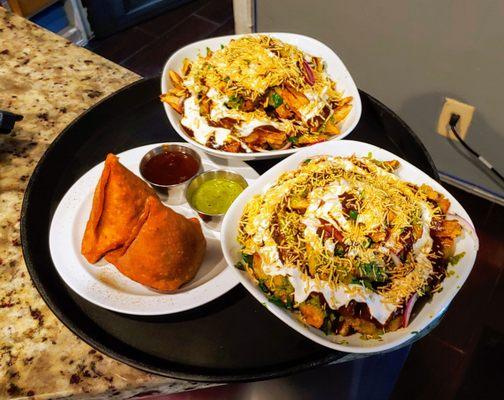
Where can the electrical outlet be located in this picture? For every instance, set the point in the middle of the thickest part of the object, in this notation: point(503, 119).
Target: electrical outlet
point(450, 107)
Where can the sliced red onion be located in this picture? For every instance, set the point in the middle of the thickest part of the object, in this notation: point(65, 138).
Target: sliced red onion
point(407, 311)
point(395, 259)
point(310, 77)
point(465, 225)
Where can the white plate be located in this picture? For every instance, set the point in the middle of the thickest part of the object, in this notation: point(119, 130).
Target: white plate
point(101, 283)
point(335, 68)
point(354, 344)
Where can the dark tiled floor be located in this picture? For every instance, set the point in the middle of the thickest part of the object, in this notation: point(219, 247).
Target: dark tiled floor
point(145, 48)
point(465, 350)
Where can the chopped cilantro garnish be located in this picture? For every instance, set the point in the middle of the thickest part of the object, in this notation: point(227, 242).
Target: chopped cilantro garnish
point(327, 326)
point(263, 287)
point(221, 46)
point(247, 259)
point(234, 101)
point(353, 214)
point(279, 302)
point(363, 282)
point(453, 260)
point(293, 139)
point(339, 250)
point(307, 161)
point(372, 271)
point(275, 100)
point(239, 265)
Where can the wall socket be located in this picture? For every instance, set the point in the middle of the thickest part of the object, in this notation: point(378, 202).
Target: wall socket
point(450, 107)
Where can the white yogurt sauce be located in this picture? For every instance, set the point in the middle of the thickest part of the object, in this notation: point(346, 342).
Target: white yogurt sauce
point(193, 120)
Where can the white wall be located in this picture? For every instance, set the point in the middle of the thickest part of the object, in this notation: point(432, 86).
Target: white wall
point(411, 54)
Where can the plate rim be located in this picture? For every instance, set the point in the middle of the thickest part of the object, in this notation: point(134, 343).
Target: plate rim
point(357, 102)
point(286, 316)
point(225, 280)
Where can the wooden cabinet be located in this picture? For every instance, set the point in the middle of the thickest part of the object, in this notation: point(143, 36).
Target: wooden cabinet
point(27, 8)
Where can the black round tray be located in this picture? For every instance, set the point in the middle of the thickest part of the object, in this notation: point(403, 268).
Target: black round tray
point(233, 338)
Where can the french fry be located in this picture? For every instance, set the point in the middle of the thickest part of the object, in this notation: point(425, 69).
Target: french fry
point(266, 135)
point(345, 100)
point(175, 102)
point(294, 99)
point(178, 91)
point(330, 126)
point(311, 139)
point(283, 112)
point(186, 66)
point(232, 147)
point(341, 112)
point(175, 78)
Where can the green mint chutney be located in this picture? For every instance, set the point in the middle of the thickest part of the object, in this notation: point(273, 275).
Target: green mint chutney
point(216, 195)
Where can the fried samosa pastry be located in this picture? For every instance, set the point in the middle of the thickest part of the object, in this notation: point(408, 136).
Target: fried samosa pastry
point(118, 202)
point(164, 251)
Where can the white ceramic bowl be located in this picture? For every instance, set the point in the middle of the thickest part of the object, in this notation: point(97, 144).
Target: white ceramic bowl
point(434, 306)
point(335, 68)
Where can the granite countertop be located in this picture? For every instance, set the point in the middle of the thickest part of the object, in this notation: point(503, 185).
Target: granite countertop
point(50, 81)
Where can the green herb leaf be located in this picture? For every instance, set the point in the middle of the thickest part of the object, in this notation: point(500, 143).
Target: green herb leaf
point(307, 161)
point(372, 271)
point(239, 265)
point(263, 287)
point(327, 326)
point(453, 260)
point(247, 259)
point(339, 250)
point(275, 100)
point(293, 139)
point(353, 214)
point(221, 46)
point(279, 302)
point(234, 101)
point(363, 282)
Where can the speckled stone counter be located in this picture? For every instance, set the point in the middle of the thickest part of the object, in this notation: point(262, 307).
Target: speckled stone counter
point(50, 81)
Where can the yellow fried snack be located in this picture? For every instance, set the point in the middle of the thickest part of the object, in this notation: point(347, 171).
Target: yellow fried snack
point(118, 202)
point(164, 249)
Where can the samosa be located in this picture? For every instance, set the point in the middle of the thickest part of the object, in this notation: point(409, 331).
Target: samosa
point(118, 202)
point(164, 250)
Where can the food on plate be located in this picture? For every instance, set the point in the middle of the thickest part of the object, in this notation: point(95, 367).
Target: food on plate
point(118, 201)
point(170, 168)
point(256, 94)
point(216, 195)
point(347, 245)
point(164, 249)
point(146, 241)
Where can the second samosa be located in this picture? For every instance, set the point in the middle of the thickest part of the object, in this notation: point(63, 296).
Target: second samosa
point(164, 251)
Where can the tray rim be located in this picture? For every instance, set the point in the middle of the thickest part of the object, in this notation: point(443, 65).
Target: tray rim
point(214, 376)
